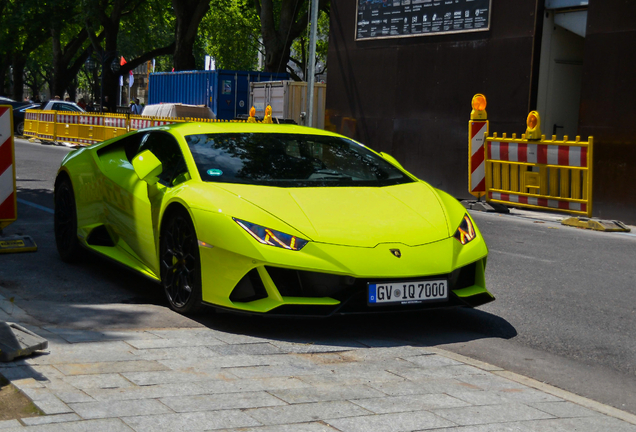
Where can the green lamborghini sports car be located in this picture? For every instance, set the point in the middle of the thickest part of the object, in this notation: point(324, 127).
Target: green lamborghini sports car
point(269, 219)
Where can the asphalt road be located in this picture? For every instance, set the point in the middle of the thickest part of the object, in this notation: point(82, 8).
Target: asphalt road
point(564, 312)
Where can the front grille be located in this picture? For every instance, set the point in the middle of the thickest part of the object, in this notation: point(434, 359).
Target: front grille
point(352, 292)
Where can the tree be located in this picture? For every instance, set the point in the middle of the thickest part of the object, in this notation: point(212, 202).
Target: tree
point(24, 28)
point(281, 23)
point(230, 32)
point(300, 50)
point(189, 14)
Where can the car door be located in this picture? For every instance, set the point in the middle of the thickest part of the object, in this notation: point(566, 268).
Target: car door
point(132, 205)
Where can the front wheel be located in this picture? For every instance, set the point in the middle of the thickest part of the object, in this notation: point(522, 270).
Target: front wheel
point(19, 129)
point(180, 263)
point(65, 222)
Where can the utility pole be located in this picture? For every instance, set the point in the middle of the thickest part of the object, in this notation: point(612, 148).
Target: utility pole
point(312, 62)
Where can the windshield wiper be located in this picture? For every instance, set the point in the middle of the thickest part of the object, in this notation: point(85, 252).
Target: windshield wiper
point(325, 174)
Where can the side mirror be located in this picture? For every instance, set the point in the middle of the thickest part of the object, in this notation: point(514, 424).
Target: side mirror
point(392, 160)
point(147, 167)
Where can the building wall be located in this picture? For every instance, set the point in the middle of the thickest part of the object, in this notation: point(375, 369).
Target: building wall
point(411, 97)
point(608, 106)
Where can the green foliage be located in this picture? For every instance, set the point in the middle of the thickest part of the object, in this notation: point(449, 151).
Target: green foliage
point(300, 47)
point(230, 33)
point(150, 26)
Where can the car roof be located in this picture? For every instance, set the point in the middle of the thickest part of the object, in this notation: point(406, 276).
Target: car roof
point(194, 128)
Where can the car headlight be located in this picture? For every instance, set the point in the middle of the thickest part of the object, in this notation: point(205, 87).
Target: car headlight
point(272, 237)
point(466, 231)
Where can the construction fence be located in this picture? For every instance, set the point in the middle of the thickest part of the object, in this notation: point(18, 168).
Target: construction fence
point(86, 129)
point(532, 171)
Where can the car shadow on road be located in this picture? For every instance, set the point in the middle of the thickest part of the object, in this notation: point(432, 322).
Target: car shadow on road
point(425, 328)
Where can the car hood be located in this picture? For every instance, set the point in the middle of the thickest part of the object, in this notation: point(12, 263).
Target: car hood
point(354, 216)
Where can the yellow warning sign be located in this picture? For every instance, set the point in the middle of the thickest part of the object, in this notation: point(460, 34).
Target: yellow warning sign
point(17, 244)
point(11, 243)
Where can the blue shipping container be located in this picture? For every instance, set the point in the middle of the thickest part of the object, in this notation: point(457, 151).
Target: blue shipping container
point(226, 92)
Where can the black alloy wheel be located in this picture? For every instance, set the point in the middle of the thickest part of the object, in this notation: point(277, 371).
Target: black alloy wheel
point(19, 129)
point(65, 222)
point(180, 263)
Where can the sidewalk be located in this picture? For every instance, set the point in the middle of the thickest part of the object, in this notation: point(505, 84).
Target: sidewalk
point(204, 379)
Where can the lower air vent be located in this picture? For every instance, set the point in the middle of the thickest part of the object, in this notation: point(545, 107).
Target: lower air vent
point(100, 237)
point(249, 288)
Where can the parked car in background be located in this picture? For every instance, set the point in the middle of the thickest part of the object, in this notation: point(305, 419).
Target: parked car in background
point(18, 117)
point(15, 104)
point(58, 105)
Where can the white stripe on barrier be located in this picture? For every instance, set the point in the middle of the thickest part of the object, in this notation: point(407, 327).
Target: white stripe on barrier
point(574, 156)
point(6, 183)
point(532, 153)
point(553, 155)
point(494, 151)
point(513, 154)
point(477, 140)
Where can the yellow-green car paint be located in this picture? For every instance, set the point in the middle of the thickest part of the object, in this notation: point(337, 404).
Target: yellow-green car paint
point(353, 240)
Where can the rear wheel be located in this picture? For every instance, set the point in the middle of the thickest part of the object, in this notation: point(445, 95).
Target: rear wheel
point(19, 129)
point(180, 263)
point(65, 222)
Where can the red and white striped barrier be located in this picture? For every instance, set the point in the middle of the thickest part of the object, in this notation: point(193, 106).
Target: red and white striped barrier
point(561, 155)
point(91, 120)
point(540, 202)
point(8, 207)
point(136, 123)
point(477, 178)
point(116, 122)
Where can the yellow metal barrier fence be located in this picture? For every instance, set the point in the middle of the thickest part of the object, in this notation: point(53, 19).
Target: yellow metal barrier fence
point(31, 120)
point(46, 125)
point(540, 173)
point(87, 128)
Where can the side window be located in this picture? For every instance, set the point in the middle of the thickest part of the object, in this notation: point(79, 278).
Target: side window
point(167, 150)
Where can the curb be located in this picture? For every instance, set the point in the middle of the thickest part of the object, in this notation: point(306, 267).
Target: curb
point(538, 385)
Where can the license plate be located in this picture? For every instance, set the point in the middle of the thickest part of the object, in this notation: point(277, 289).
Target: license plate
point(407, 292)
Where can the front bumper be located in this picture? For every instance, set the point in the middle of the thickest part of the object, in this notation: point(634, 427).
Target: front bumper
point(323, 280)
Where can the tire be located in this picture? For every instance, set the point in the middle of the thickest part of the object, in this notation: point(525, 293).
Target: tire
point(180, 263)
point(65, 222)
point(19, 129)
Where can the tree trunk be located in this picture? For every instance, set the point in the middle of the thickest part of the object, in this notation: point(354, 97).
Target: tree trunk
point(18, 78)
point(189, 14)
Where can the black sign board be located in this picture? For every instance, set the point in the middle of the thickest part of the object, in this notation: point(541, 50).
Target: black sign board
point(378, 19)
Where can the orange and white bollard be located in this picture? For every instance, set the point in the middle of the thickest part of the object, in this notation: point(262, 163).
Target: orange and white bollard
point(8, 198)
point(477, 127)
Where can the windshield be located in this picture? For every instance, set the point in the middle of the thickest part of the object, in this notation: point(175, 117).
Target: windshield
point(289, 160)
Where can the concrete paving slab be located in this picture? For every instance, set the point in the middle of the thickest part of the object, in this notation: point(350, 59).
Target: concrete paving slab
point(270, 384)
point(300, 413)
point(221, 402)
point(111, 409)
point(563, 409)
point(395, 404)
point(403, 387)
point(146, 392)
point(110, 367)
point(296, 427)
point(400, 422)
point(194, 421)
point(457, 371)
point(247, 349)
point(172, 353)
point(108, 425)
point(591, 424)
point(102, 381)
point(6, 424)
point(314, 394)
point(59, 418)
point(486, 414)
point(494, 397)
point(171, 377)
point(159, 342)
